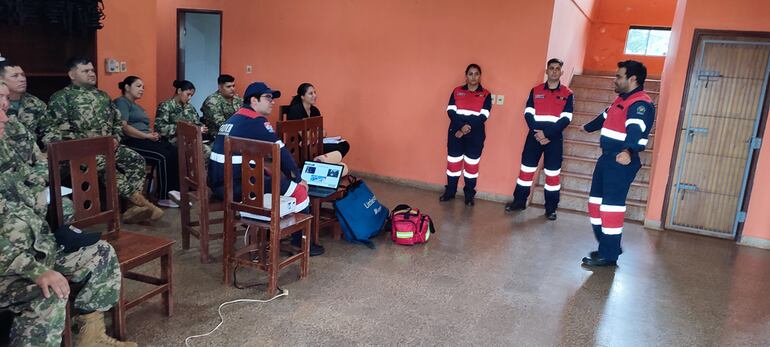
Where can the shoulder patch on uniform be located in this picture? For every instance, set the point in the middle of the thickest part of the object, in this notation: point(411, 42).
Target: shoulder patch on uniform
point(640, 110)
point(269, 127)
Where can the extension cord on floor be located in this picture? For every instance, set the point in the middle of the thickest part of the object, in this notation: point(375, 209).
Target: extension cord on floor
point(284, 292)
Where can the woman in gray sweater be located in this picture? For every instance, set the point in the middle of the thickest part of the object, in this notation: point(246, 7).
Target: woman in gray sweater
point(141, 138)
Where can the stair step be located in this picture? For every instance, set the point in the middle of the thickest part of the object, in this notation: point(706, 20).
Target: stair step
point(607, 82)
point(586, 166)
point(572, 132)
point(579, 182)
point(577, 201)
point(577, 148)
point(588, 106)
point(604, 95)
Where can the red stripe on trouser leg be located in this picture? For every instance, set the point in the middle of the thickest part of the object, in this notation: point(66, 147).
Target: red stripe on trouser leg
point(612, 219)
point(526, 176)
point(472, 168)
point(593, 210)
point(552, 180)
point(454, 167)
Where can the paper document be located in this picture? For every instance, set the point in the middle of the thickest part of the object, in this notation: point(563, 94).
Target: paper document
point(333, 139)
point(64, 192)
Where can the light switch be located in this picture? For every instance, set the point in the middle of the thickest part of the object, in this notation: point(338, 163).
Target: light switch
point(248, 68)
point(500, 99)
point(123, 66)
point(494, 99)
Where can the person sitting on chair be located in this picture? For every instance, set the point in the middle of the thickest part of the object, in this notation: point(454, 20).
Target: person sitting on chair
point(251, 122)
point(33, 266)
point(303, 106)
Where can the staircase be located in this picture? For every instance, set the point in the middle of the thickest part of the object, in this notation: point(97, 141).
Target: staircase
point(593, 93)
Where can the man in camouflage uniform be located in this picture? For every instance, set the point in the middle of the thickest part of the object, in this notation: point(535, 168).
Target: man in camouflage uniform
point(32, 266)
point(25, 107)
point(221, 105)
point(171, 111)
point(80, 111)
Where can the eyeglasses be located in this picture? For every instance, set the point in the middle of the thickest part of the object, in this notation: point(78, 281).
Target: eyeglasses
point(268, 97)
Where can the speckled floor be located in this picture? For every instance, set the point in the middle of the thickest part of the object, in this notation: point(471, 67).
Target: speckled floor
point(486, 278)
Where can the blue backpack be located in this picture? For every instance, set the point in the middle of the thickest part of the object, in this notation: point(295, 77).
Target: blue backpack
point(361, 216)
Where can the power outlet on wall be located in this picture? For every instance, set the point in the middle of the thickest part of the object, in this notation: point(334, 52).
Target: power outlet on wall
point(500, 99)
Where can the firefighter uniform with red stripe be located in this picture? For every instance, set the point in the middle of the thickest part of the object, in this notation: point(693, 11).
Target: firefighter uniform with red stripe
point(464, 153)
point(548, 110)
point(625, 126)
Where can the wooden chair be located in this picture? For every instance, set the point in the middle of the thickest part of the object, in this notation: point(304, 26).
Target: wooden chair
point(283, 112)
point(133, 249)
point(291, 133)
point(322, 217)
point(253, 155)
point(193, 188)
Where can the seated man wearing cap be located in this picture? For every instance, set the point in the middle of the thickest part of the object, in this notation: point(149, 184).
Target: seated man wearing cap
point(250, 121)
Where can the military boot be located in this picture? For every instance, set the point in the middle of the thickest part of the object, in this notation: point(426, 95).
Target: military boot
point(139, 200)
point(92, 332)
point(136, 214)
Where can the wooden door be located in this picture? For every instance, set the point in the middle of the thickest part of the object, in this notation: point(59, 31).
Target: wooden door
point(718, 136)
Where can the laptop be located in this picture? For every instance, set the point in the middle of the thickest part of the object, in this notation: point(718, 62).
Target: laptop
point(322, 179)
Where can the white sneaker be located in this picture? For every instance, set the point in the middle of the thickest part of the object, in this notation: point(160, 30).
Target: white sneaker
point(175, 195)
point(167, 203)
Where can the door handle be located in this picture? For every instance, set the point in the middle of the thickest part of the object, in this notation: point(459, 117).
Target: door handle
point(682, 187)
point(692, 131)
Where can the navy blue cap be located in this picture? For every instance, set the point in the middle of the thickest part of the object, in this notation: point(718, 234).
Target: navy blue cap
point(257, 89)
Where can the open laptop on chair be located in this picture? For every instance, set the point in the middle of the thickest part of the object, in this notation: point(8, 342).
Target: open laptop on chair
point(322, 179)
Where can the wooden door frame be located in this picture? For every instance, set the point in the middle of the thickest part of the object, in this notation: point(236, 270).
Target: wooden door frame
point(180, 16)
point(697, 38)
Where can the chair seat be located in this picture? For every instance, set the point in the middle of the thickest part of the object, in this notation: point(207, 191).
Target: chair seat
point(134, 248)
point(286, 222)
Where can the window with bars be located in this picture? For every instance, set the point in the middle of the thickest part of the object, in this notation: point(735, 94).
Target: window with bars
point(652, 41)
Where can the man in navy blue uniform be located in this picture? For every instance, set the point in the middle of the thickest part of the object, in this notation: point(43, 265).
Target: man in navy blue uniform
point(548, 112)
point(250, 121)
point(625, 128)
point(468, 109)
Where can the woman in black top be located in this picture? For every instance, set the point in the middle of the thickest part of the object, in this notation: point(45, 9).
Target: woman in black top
point(303, 106)
point(141, 138)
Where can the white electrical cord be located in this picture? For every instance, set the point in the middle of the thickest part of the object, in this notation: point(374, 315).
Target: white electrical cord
point(284, 292)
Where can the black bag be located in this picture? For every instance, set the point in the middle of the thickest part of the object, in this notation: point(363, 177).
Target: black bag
point(73, 239)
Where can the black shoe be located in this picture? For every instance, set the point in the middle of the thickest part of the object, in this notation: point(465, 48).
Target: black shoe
point(445, 197)
point(514, 206)
point(598, 262)
point(469, 201)
point(550, 215)
point(595, 254)
point(315, 250)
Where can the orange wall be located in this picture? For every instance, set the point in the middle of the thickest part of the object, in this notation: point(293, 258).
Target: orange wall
point(166, 28)
point(745, 15)
point(569, 34)
point(125, 37)
point(612, 19)
point(384, 71)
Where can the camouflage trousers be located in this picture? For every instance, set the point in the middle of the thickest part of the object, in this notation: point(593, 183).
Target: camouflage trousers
point(41, 321)
point(130, 171)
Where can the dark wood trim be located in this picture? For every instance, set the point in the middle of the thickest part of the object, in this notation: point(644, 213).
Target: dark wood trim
point(697, 37)
point(180, 13)
point(647, 27)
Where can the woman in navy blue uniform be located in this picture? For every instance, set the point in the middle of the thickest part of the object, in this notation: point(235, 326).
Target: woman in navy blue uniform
point(468, 110)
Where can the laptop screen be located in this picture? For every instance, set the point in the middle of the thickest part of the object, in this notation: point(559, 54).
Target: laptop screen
point(322, 174)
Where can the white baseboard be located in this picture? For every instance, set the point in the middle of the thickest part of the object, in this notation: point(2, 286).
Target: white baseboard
point(653, 224)
point(430, 186)
point(755, 242)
